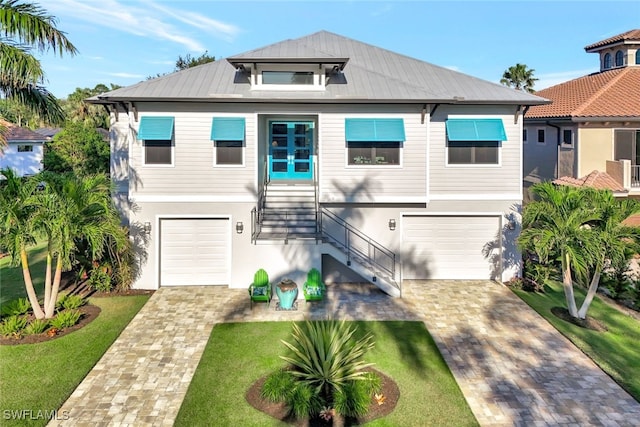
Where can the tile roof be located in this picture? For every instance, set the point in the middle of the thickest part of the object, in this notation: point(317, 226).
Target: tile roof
point(612, 93)
point(631, 35)
point(372, 74)
point(596, 179)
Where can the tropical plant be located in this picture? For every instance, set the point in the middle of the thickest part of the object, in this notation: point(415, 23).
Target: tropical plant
point(519, 77)
point(17, 231)
point(13, 326)
point(581, 230)
point(65, 319)
point(325, 363)
point(15, 307)
point(70, 302)
point(99, 280)
point(36, 326)
point(26, 27)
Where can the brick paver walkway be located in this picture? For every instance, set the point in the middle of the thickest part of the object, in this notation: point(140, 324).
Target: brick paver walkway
point(513, 368)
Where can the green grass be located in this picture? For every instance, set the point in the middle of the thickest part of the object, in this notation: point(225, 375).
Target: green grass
point(238, 354)
point(40, 377)
point(11, 280)
point(615, 351)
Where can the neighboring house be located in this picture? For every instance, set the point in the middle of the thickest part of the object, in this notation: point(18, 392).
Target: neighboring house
point(592, 120)
point(324, 152)
point(23, 152)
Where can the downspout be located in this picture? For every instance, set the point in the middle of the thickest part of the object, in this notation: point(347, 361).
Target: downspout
point(557, 147)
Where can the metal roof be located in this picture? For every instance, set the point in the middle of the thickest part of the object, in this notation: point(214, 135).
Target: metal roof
point(372, 74)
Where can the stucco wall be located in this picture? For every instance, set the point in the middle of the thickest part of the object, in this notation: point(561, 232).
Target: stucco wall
point(596, 147)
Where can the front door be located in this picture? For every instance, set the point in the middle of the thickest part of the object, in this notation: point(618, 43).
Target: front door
point(290, 150)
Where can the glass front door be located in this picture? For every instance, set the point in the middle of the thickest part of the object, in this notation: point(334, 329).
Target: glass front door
point(290, 150)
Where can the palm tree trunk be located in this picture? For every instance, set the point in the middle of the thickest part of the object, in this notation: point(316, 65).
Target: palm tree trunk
point(28, 283)
point(567, 284)
point(47, 277)
point(591, 293)
point(51, 306)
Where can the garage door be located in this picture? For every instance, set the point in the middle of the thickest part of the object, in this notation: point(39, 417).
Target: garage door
point(194, 252)
point(450, 247)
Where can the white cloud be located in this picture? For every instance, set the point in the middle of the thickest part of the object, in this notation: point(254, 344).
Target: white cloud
point(546, 80)
point(452, 67)
point(140, 20)
point(126, 75)
point(381, 10)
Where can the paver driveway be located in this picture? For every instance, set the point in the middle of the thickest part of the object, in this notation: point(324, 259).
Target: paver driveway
point(513, 368)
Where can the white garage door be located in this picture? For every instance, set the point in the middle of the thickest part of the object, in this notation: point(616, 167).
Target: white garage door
point(451, 247)
point(194, 251)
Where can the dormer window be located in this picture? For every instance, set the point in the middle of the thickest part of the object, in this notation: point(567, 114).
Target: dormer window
point(287, 78)
point(607, 61)
point(619, 59)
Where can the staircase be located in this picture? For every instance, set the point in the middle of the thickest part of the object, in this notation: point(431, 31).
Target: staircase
point(289, 213)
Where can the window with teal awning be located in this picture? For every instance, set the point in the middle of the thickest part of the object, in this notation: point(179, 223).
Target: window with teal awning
point(227, 129)
point(374, 130)
point(156, 128)
point(475, 130)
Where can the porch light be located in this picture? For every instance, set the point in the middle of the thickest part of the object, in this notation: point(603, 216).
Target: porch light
point(239, 227)
point(392, 224)
point(147, 228)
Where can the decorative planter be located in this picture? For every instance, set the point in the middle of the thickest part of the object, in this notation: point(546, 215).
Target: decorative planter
point(287, 292)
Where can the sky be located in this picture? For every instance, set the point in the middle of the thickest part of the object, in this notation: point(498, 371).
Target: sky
point(126, 41)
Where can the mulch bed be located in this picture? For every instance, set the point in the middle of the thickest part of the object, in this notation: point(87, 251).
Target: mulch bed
point(279, 411)
point(588, 323)
point(89, 313)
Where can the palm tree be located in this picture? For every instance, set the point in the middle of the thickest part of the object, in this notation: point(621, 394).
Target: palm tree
point(17, 231)
point(556, 227)
point(74, 212)
point(23, 28)
point(617, 242)
point(519, 77)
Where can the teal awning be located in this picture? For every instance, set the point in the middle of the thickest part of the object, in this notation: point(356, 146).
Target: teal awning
point(475, 130)
point(374, 129)
point(227, 129)
point(156, 127)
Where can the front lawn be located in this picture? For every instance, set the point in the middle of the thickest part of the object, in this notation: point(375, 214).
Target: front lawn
point(238, 354)
point(11, 280)
point(40, 377)
point(615, 351)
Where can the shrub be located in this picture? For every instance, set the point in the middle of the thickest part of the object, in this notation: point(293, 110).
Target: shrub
point(65, 319)
point(99, 280)
point(69, 302)
point(36, 326)
point(16, 307)
point(13, 326)
point(278, 386)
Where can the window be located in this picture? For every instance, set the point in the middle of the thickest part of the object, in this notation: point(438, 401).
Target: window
point(567, 137)
point(287, 77)
point(638, 57)
point(228, 136)
point(25, 148)
point(229, 152)
point(157, 152)
point(626, 145)
point(156, 132)
point(473, 152)
point(524, 136)
point(607, 61)
point(619, 59)
point(374, 141)
point(474, 141)
point(374, 153)
point(541, 136)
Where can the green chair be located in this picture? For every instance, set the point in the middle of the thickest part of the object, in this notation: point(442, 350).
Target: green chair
point(313, 288)
point(260, 289)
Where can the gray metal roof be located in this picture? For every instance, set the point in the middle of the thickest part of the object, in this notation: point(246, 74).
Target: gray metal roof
point(372, 74)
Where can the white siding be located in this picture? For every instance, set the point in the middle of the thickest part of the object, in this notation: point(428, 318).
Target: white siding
point(504, 180)
point(22, 163)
